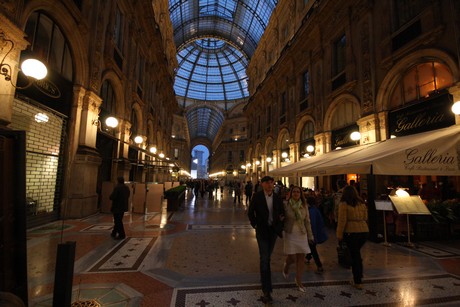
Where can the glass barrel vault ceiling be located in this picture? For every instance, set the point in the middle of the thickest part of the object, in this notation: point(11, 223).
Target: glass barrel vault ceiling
point(215, 40)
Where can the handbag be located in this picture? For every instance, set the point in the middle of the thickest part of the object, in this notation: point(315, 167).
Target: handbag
point(343, 255)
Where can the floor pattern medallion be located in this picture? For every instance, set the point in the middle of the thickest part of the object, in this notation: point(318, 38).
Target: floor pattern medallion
point(127, 256)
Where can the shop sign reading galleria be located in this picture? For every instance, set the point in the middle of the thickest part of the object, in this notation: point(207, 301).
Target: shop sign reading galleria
point(431, 114)
point(431, 160)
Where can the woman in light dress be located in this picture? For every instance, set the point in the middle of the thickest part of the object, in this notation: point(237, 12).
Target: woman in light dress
point(297, 234)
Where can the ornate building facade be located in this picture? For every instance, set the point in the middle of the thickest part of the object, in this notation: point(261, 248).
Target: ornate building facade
point(324, 69)
point(105, 59)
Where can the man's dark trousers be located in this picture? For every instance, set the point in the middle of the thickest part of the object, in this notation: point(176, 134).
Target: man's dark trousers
point(266, 242)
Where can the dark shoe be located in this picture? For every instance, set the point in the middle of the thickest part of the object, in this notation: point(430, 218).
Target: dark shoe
point(267, 297)
point(357, 286)
point(113, 235)
point(120, 238)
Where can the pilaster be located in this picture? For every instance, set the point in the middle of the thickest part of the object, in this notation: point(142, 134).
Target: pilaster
point(368, 129)
point(455, 92)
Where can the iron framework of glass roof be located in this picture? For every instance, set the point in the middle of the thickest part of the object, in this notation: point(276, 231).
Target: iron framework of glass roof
point(215, 40)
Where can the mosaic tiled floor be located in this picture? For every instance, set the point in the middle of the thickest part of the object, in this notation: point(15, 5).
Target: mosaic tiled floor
point(98, 228)
point(206, 254)
point(216, 227)
point(415, 291)
point(114, 295)
point(433, 250)
point(126, 256)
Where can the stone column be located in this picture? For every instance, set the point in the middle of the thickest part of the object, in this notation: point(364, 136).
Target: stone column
point(294, 152)
point(123, 165)
point(263, 162)
point(322, 143)
point(367, 128)
point(82, 196)
point(383, 125)
point(455, 92)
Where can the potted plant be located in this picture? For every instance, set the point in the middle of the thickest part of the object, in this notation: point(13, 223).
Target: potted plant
point(175, 197)
point(445, 216)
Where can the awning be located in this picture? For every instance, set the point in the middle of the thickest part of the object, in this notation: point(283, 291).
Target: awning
point(434, 152)
point(303, 167)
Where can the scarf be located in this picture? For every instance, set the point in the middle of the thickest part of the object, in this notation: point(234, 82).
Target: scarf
point(295, 206)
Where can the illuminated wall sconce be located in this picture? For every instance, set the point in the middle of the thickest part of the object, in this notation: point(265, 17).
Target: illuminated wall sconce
point(243, 166)
point(41, 118)
point(153, 149)
point(162, 155)
point(355, 136)
point(33, 69)
point(138, 139)
point(310, 148)
point(111, 122)
point(257, 162)
point(248, 165)
point(456, 108)
point(284, 155)
point(269, 159)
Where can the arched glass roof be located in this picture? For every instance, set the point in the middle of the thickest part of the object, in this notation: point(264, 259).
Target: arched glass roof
point(215, 40)
point(211, 69)
point(204, 122)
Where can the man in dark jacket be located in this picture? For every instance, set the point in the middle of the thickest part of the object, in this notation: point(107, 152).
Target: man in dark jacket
point(120, 198)
point(266, 214)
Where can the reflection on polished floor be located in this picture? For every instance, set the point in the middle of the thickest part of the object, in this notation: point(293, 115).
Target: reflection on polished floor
point(206, 255)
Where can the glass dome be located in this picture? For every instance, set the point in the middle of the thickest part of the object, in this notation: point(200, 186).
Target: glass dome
point(211, 69)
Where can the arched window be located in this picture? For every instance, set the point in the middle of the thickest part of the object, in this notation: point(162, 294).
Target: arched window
point(47, 43)
point(307, 140)
point(345, 114)
point(108, 97)
point(285, 147)
point(420, 82)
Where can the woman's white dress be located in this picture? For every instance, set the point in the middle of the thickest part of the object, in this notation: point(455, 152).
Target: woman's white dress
point(296, 242)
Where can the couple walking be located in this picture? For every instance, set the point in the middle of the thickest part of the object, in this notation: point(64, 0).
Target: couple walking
point(270, 217)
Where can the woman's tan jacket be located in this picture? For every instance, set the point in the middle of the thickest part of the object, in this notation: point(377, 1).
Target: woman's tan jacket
point(290, 220)
point(351, 219)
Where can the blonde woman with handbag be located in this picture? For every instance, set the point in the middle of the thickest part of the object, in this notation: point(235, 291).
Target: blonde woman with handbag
point(297, 234)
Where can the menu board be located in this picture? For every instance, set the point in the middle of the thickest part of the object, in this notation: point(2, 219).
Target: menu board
point(409, 205)
point(383, 205)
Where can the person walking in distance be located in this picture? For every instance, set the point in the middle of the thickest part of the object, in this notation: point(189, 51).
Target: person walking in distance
point(248, 192)
point(319, 233)
point(266, 214)
point(353, 229)
point(297, 234)
point(119, 198)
